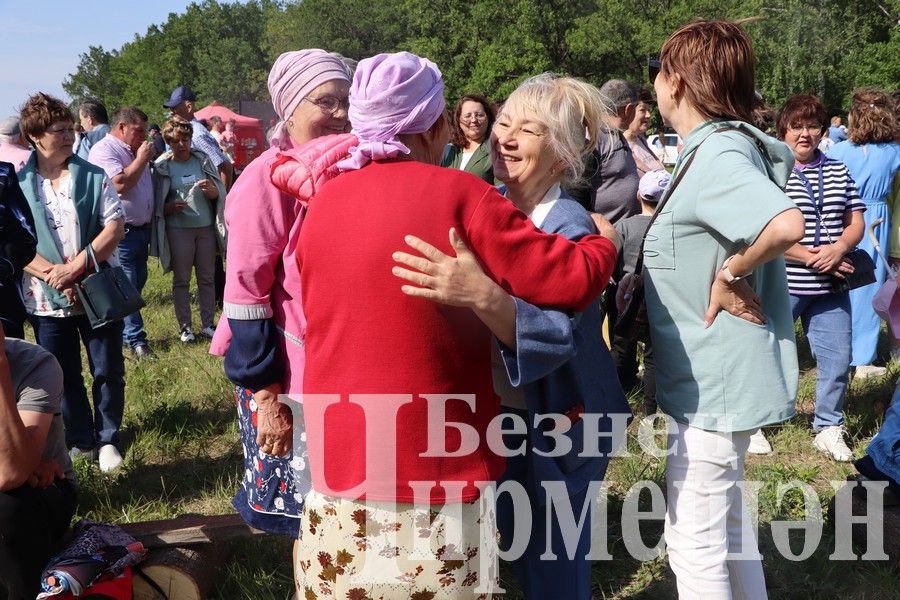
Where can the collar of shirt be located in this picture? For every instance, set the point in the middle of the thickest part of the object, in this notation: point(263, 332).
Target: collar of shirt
point(543, 207)
point(121, 145)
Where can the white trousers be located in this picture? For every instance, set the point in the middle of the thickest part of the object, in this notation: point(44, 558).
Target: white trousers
point(710, 540)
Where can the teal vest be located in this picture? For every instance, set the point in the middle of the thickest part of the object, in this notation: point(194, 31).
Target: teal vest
point(87, 192)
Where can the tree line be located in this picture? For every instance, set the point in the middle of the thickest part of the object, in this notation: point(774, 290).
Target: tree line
point(224, 50)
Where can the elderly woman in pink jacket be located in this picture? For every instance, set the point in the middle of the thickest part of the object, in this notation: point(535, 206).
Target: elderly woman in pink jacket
point(262, 335)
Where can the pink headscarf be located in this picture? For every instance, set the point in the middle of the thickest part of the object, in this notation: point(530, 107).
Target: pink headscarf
point(391, 94)
point(294, 75)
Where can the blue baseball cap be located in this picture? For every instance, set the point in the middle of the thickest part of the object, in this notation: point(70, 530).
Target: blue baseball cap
point(179, 95)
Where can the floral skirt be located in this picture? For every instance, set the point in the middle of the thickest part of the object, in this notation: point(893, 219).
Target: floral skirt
point(357, 550)
point(270, 497)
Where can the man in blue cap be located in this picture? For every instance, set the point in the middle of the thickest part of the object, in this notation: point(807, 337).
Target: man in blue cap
point(181, 103)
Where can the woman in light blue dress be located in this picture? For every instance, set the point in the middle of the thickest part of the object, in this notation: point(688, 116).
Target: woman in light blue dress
point(873, 157)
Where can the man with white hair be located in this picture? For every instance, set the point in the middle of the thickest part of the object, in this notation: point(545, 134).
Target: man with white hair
point(12, 145)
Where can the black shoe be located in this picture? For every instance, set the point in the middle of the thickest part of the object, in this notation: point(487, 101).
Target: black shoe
point(143, 352)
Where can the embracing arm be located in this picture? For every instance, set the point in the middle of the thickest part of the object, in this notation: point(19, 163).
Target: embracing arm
point(543, 269)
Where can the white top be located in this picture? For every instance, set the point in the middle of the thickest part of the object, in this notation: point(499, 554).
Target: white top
point(466, 157)
point(541, 211)
point(59, 210)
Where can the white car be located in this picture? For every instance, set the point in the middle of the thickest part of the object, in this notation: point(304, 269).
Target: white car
point(666, 148)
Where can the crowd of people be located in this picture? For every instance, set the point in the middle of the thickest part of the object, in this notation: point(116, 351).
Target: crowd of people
point(411, 277)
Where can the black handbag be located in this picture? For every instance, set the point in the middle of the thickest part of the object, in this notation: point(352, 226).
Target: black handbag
point(107, 294)
point(863, 272)
point(863, 266)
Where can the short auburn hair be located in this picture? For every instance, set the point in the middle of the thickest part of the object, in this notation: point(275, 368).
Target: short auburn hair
point(176, 129)
point(872, 118)
point(40, 112)
point(803, 107)
point(715, 62)
point(457, 137)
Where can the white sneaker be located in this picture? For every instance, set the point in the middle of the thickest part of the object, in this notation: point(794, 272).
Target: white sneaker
point(866, 371)
point(208, 331)
point(110, 459)
point(187, 335)
point(758, 443)
point(831, 441)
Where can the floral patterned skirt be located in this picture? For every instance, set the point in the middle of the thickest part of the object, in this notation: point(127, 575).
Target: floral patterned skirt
point(270, 497)
point(355, 550)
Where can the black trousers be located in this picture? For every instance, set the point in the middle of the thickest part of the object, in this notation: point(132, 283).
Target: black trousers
point(624, 353)
point(32, 522)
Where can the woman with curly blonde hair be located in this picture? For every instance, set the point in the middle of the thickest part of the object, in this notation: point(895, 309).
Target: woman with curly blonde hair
point(873, 157)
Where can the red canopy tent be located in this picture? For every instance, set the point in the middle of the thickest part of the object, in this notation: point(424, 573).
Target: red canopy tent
point(251, 138)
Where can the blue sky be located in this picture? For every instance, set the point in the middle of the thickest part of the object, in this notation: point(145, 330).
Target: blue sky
point(40, 40)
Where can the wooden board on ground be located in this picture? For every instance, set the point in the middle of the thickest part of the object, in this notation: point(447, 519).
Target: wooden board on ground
point(190, 530)
point(179, 573)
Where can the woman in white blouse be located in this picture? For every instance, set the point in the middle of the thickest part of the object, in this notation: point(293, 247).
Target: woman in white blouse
point(74, 204)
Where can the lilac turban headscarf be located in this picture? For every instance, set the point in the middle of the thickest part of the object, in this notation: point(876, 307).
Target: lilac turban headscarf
point(294, 75)
point(392, 94)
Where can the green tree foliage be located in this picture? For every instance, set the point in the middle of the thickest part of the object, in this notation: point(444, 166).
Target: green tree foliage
point(224, 50)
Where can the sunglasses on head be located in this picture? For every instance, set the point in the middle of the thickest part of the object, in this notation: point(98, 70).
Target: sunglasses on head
point(653, 67)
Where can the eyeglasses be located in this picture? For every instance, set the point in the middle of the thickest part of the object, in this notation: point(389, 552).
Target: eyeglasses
point(61, 131)
point(653, 68)
point(329, 104)
point(477, 116)
point(811, 129)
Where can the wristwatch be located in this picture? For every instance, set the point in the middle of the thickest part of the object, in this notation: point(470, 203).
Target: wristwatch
point(729, 276)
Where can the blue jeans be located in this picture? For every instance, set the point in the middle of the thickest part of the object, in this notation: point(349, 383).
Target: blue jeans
point(826, 322)
point(133, 253)
point(60, 336)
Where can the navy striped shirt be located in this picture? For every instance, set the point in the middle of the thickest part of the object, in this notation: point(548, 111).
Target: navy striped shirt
point(839, 196)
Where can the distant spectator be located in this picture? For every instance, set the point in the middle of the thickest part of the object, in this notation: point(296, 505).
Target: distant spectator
point(13, 148)
point(37, 484)
point(763, 115)
point(644, 158)
point(837, 132)
point(826, 195)
point(159, 144)
point(228, 139)
point(18, 244)
point(873, 157)
point(469, 148)
point(125, 155)
point(611, 173)
point(826, 143)
point(95, 122)
point(189, 198)
point(215, 126)
point(75, 204)
point(181, 103)
point(624, 349)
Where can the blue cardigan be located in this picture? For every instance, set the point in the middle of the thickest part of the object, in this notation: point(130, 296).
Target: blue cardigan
point(562, 363)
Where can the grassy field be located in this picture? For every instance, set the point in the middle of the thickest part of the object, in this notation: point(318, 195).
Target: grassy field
point(183, 456)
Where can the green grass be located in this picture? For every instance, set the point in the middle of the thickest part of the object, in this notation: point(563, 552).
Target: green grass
point(183, 456)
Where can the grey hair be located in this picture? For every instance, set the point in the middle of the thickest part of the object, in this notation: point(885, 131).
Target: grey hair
point(619, 93)
point(571, 109)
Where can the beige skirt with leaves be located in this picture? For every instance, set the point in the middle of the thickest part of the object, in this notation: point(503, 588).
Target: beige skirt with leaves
point(353, 550)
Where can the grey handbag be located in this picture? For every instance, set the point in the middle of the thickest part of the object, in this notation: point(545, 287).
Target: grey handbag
point(107, 294)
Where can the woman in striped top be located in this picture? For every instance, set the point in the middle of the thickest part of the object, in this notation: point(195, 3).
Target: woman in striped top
point(825, 192)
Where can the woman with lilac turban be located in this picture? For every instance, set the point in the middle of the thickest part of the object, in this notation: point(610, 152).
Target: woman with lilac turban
point(261, 336)
point(397, 390)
